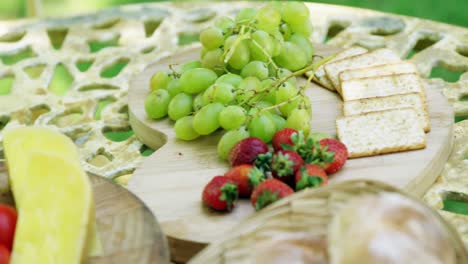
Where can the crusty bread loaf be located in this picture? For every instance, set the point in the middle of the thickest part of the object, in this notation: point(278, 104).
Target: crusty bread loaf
point(386, 69)
point(388, 228)
point(373, 58)
point(414, 100)
point(320, 76)
point(381, 132)
point(382, 86)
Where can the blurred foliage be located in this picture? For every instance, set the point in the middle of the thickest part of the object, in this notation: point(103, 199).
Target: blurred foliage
point(448, 11)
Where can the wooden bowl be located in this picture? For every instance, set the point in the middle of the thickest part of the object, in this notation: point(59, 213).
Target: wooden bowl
point(309, 211)
point(128, 231)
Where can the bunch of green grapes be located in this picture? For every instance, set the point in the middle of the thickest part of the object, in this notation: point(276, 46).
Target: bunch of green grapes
point(245, 80)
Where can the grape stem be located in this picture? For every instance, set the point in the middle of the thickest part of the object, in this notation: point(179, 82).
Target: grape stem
point(270, 60)
point(228, 53)
point(311, 67)
point(280, 104)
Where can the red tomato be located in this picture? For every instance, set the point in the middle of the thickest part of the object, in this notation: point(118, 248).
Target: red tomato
point(4, 255)
point(8, 218)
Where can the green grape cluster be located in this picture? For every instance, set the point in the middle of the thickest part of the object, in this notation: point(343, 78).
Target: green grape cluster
point(245, 80)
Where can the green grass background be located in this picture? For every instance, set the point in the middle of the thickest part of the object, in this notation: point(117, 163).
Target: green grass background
point(447, 11)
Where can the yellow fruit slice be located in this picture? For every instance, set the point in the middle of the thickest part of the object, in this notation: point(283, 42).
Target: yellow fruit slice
point(19, 144)
point(54, 215)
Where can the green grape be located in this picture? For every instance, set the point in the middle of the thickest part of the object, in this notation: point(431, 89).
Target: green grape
point(285, 92)
point(304, 44)
point(213, 60)
point(190, 65)
point(286, 31)
point(263, 46)
point(198, 102)
point(295, 13)
point(307, 105)
point(317, 136)
point(304, 29)
point(174, 87)
point(262, 127)
point(156, 104)
point(246, 15)
point(255, 69)
point(230, 78)
point(212, 38)
point(279, 121)
point(247, 89)
point(184, 129)
point(160, 80)
point(271, 70)
point(268, 19)
point(181, 105)
point(206, 120)
point(221, 92)
point(232, 117)
point(229, 139)
point(278, 41)
point(264, 104)
point(299, 119)
point(286, 109)
point(225, 24)
point(203, 51)
point(291, 57)
point(241, 55)
point(197, 80)
point(282, 73)
point(271, 94)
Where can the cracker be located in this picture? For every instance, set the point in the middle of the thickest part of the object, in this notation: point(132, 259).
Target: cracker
point(414, 100)
point(381, 132)
point(382, 86)
point(320, 76)
point(386, 69)
point(373, 58)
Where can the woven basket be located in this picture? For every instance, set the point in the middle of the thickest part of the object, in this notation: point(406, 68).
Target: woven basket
point(308, 211)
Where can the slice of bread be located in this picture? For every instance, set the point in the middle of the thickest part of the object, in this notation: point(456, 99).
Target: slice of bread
point(373, 58)
point(387, 69)
point(381, 132)
point(320, 76)
point(382, 86)
point(414, 100)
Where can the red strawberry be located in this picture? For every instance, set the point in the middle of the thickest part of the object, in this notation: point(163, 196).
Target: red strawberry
point(246, 151)
point(310, 175)
point(340, 154)
point(285, 164)
point(283, 137)
point(246, 177)
point(220, 193)
point(268, 192)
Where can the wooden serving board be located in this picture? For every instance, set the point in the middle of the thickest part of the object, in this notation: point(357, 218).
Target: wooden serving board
point(171, 181)
point(128, 231)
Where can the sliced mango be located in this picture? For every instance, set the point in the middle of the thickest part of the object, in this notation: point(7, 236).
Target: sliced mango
point(23, 144)
point(18, 143)
point(54, 216)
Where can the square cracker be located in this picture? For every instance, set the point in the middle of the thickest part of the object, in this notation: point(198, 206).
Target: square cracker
point(320, 76)
point(381, 132)
point(414, 100)
point(382, 86)
point(373, 58)
point(380, 70)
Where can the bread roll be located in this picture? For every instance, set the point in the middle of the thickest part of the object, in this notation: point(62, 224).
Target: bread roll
point(388, 229)
point(292, 249)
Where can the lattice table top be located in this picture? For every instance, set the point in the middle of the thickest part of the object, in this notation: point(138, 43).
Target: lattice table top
point(73, 73)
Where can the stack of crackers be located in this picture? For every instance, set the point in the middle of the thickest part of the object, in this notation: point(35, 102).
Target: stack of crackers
point(384, 102)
